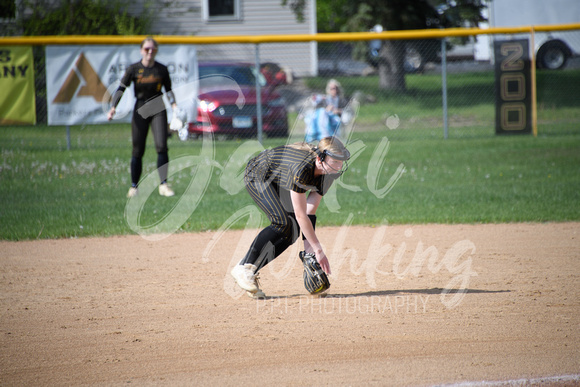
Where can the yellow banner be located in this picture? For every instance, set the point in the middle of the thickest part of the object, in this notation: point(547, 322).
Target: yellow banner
point(17, 99)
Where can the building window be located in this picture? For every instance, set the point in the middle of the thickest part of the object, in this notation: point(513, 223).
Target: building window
point(217, 10)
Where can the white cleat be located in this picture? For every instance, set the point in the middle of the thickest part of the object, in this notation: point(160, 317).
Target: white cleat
point(245, 276)
point(132, 192)
point(165, 190)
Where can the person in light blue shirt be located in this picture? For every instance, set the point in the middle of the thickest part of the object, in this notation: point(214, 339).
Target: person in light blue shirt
point(325, 120)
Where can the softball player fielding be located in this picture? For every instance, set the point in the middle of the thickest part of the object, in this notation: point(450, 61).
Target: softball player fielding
point(287, 183)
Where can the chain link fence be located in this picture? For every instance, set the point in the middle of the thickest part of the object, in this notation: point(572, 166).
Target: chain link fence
point(445, 88)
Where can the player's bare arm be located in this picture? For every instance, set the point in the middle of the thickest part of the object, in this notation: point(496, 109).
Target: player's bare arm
point(300, 204)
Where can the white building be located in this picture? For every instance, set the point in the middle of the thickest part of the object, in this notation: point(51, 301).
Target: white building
point(242, 17)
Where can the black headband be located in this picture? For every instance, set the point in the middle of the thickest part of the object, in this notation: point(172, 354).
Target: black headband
point(342, 157)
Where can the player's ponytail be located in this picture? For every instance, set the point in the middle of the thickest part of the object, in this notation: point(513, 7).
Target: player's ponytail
point(328, 146)
point(333, 147)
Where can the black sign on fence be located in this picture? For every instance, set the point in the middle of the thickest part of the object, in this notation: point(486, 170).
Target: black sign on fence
point(513, 106)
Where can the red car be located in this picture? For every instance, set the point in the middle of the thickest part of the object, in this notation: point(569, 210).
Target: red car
point(227, 101)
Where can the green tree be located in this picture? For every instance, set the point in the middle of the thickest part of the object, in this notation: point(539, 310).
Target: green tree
point(392, 15)
point(72, 17)
point(81, 17)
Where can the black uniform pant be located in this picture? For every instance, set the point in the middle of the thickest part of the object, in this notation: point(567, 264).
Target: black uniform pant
point(139, 129)
point(283, 230)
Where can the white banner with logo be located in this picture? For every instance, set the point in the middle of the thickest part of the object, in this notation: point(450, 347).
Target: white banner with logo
point(80, 80)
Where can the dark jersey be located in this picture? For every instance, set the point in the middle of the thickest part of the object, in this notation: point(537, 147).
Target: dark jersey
point(147, 82)
point(290, 169)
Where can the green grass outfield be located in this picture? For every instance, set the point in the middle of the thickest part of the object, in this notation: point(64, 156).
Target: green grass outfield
point(47, 191)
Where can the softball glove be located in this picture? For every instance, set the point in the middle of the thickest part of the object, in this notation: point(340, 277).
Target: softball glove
point(315, 279)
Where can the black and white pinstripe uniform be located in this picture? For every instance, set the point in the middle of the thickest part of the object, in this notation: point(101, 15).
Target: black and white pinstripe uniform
point(269, 178)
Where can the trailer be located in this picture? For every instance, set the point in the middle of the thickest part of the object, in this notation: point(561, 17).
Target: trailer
point(553, 49)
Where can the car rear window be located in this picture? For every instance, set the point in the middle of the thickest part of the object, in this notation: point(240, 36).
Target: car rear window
point(242, 75)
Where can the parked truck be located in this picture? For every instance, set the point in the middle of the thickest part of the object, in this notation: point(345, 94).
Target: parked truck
point(553, 49)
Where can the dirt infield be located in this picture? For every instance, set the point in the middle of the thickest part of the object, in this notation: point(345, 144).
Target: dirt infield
point(408, 305)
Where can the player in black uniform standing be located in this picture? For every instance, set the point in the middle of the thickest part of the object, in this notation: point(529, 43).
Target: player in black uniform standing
point(148, 77)
point(287, 183)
